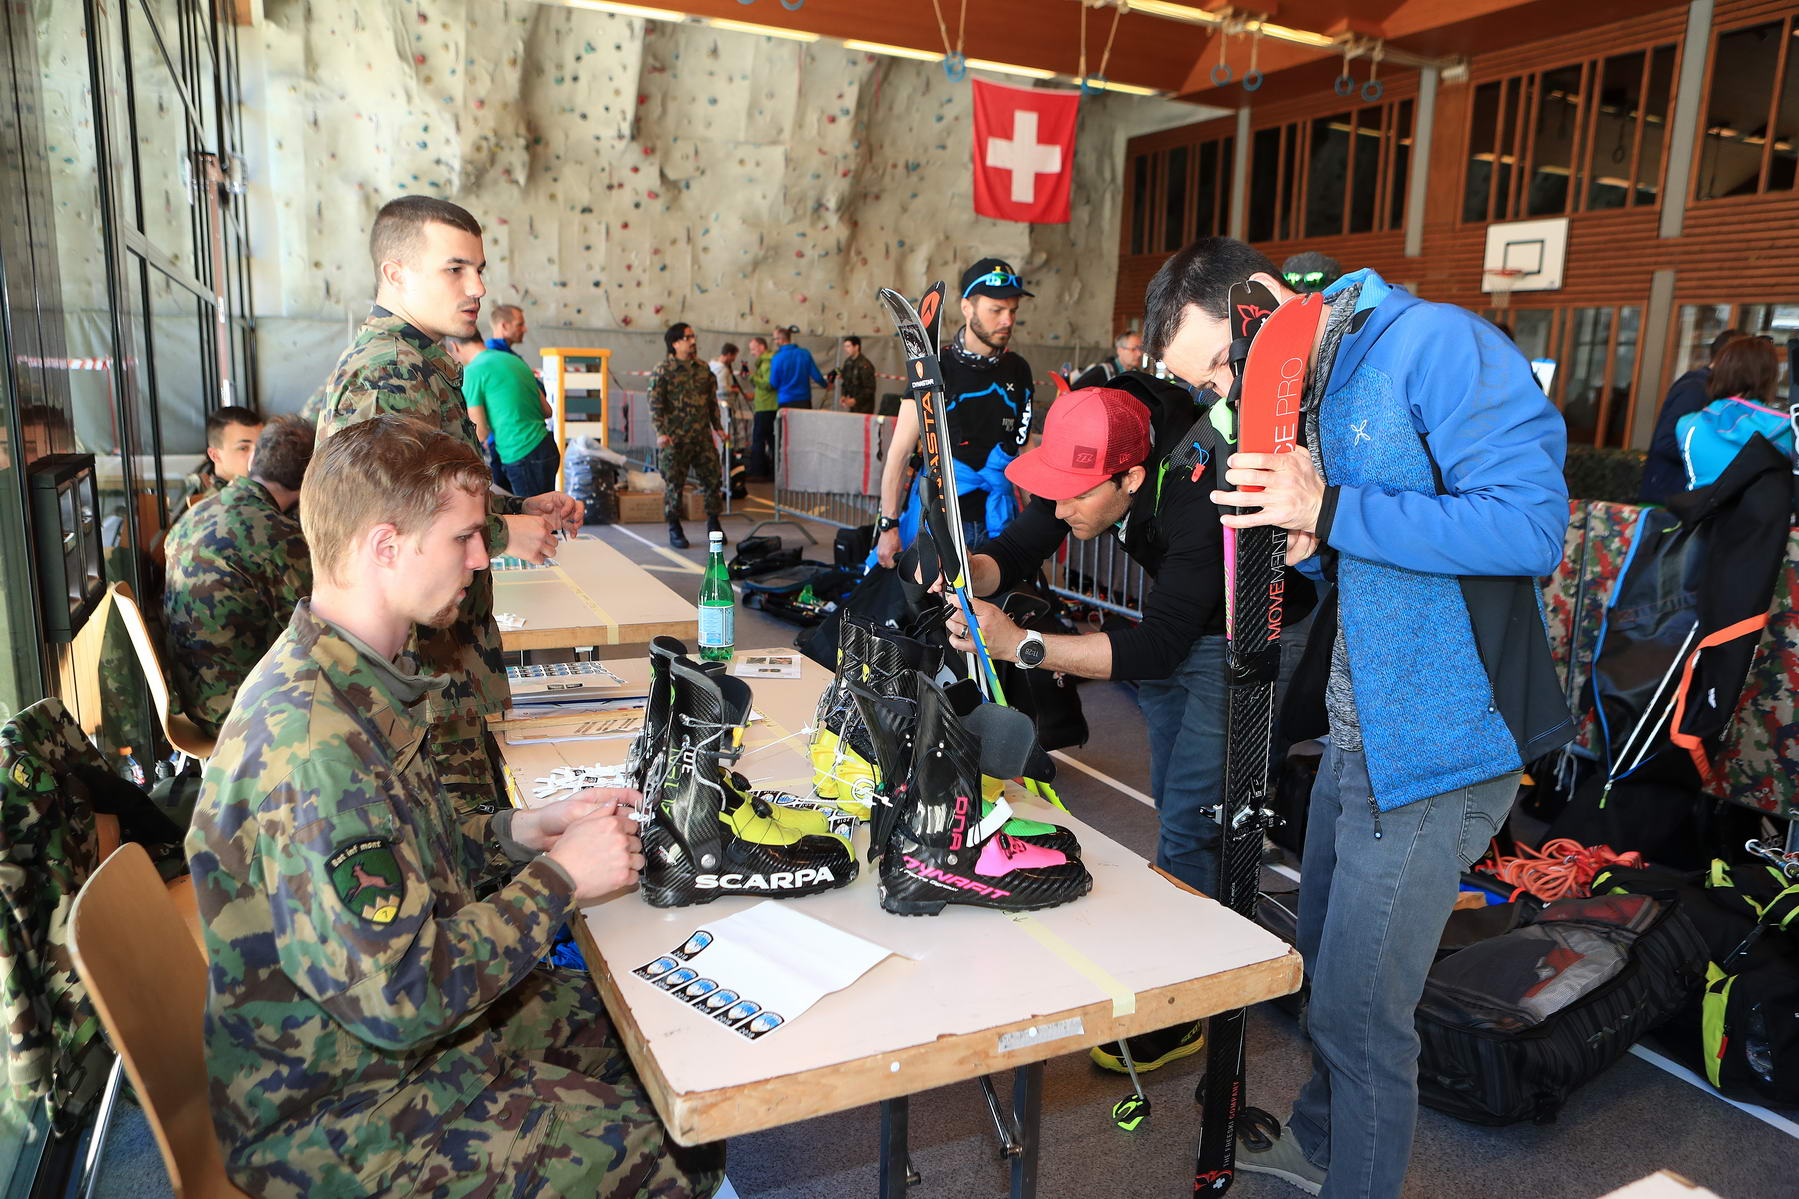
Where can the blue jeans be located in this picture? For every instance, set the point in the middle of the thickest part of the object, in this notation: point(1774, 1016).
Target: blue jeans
point(1370, 915)
point(535, 473)
point(1185, 716)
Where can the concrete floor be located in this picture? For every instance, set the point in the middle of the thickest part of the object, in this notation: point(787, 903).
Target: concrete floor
point(1629, 1122)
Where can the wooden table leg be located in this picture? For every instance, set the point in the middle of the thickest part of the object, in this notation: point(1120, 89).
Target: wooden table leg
point(1027, 1115)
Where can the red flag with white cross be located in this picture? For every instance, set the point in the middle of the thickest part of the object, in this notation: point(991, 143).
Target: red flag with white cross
point(1023, 152)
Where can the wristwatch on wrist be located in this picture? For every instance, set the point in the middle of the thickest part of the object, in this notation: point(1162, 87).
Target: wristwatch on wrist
point(1031, 650)
point(886, 523)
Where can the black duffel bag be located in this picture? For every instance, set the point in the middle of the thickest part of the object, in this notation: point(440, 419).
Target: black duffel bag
point(1509, 1028)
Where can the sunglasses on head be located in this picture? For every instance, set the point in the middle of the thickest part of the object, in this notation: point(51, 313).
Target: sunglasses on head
point(1294, 279)
point(994, 279)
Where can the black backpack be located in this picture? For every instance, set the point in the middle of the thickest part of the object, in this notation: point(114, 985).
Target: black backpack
point(1510, 1027)
point(1742, 1032)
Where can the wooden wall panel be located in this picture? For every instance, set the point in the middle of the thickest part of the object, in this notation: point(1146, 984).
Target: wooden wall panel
point(1737, 250)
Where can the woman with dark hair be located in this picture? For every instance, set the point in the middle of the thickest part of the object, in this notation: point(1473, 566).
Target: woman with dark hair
point(1746, 369)
point(1743, 403)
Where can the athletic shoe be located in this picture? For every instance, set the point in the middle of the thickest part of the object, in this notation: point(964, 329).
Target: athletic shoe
point(1152, 1050)
point(1280, 1157)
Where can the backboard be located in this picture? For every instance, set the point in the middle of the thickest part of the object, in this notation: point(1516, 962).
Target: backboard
point(1537, 248)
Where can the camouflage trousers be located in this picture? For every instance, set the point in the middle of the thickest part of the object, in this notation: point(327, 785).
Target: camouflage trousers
point(699, 455)
point(567, 1116)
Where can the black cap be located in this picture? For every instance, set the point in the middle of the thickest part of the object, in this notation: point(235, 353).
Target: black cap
point(992, 277)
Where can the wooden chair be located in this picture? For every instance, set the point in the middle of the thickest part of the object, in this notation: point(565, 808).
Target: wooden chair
point(182, 733)
point(148, 983)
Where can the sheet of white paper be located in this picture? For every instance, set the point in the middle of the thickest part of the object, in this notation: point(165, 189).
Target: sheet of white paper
point(762, 665)
point(771, 960)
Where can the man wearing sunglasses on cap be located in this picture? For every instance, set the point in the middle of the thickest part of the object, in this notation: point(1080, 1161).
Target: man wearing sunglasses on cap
point(987, 392)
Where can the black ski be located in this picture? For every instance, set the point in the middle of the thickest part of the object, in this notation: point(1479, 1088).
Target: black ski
point(1269, 357)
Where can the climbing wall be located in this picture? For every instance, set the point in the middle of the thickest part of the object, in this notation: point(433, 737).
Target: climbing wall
point(630, 173)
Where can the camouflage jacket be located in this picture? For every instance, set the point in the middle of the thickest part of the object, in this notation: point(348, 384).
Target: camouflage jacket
point(236, 568)
point(683, 399)
point(47, 850)
point(351, 959)
point(393, 367)
point(858, 378)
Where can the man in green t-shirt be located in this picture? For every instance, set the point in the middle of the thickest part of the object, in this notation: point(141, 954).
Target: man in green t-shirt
point(504, 400)
point(762, 429)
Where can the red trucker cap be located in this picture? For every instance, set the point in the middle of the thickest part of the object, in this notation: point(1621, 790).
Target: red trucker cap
point(1089, 436)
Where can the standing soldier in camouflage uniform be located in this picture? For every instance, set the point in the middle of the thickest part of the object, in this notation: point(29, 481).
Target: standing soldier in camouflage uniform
point(237, 566)
point(371, 1025)
point(857, 374)
point(427, 254)
point(684, 409)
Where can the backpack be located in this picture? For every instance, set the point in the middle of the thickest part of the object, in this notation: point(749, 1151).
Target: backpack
point(1510, 1027)
point(1713, 436)
point(1743, 1032)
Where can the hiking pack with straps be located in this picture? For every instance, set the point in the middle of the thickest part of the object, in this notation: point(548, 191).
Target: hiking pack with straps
point(1743, 1031)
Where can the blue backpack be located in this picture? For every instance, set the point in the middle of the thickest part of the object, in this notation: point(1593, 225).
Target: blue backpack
point(1711, 437)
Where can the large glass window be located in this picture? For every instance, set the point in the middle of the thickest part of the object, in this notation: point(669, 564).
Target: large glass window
point(1698, 324)
point(1179, 193)
point(1595, 352)
point(1592, 132)
point(1751, 114)
point(1332, 175)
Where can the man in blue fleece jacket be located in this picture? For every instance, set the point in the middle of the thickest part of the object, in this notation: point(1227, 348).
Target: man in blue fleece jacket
point(1430, 493)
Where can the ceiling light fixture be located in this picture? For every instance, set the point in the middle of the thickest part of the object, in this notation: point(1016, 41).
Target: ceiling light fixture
point(1007, 68)
point(628, 10)
point(893, 51)
point(792, 35)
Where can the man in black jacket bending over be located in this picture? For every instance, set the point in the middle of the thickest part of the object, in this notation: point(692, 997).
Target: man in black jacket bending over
point(1103, 467)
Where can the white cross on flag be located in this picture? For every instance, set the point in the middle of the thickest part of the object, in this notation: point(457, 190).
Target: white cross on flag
point(1023, 152)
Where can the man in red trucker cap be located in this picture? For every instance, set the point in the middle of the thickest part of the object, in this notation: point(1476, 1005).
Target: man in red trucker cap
point(1103, 468)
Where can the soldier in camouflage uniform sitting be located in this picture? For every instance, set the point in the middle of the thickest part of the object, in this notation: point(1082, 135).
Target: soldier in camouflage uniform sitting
point(237, 566)
point(428, 259)
point(231, 433)
point(371, 1024)
point(684, 409)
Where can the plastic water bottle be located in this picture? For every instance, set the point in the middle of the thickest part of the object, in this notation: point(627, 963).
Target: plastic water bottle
point(129, 766)
point(718, 605)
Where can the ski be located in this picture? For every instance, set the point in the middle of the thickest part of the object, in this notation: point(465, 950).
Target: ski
point(1270, 354)
point(940, 515)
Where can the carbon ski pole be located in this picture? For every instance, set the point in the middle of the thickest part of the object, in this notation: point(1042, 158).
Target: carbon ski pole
point(1269, 356)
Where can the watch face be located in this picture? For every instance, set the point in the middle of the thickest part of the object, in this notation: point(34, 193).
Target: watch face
point(1030, 652)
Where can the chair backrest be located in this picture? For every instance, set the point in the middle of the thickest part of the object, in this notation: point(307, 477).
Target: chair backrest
point(147, 657)
point(181, 732)
point(148, 984)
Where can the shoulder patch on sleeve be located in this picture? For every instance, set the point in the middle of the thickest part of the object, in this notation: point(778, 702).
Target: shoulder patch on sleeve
point(367, 878)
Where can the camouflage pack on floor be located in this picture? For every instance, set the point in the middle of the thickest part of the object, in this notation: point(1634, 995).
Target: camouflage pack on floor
point(1594, 549)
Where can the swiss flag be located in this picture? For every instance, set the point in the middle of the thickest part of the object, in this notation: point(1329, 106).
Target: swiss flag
point(1023, 152)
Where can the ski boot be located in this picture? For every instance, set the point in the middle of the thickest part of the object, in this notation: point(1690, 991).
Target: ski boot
point(648, 745)
point(697, 843)
point(843, 758)
point(939, 851)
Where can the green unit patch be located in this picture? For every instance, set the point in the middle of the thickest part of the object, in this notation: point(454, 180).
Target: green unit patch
point(367, 878)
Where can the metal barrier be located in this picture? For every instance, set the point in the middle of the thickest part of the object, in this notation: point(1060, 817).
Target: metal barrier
point(843, 509)
point(1100, 574)
point(630, 431)
point(1097, 573)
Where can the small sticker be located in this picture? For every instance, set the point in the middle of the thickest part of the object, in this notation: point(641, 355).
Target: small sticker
point(694, 944)
point(759, 1025)
point(674, 980)
point(697, 991)
point(655, 969)
point(367, 879)
point(742, 1010)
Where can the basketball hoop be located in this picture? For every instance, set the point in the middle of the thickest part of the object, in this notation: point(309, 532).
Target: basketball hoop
point(1499, 284)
